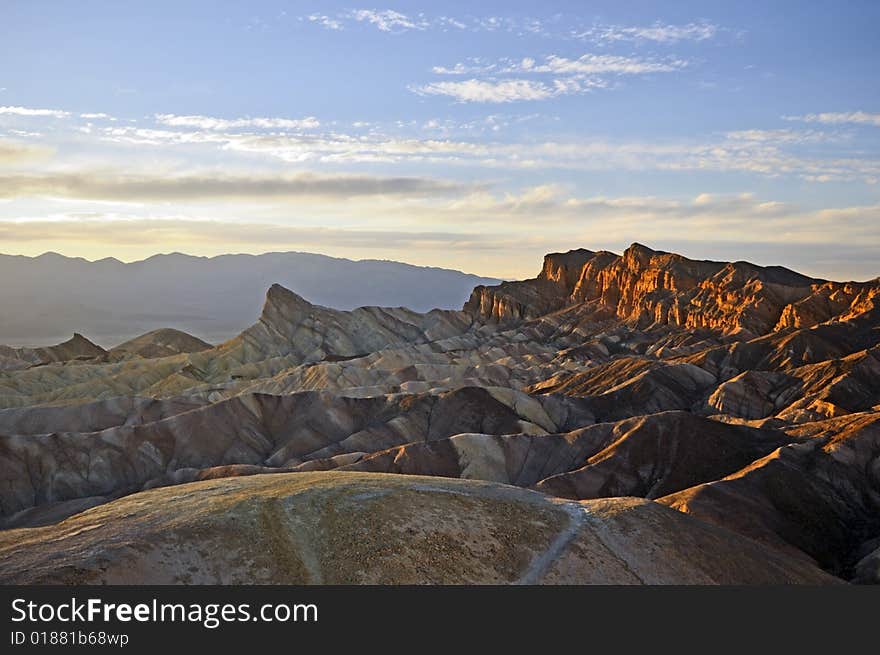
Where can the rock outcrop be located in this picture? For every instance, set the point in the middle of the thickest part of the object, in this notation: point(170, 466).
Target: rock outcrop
point(647, 288)
point(527, 299)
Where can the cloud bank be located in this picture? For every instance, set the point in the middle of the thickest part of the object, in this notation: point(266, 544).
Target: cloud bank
point(100, 185)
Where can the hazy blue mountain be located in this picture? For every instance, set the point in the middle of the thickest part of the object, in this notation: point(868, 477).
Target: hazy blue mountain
point(47, 298)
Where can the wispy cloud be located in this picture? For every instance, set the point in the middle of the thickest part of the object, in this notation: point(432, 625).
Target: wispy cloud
point(587, 64)
point(839, 118)
point(593, 64)
point(558, 26)
point(100, 185)
point(388, 20)
point(473, 68)
point(97, 115)
point(562, 76)
point(391, 21)
point(212, 123)
point(325, 21)
point(662, 33)
point(779, 136)
point(772, 153)
point(509, 90)
point(29, 111)
point(490, 124)
point(809, 154)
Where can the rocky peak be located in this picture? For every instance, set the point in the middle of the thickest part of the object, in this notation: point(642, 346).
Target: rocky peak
point(163, 342)
point(78, 346)
point(279, 296)
point(638, 256)
point(283, 309)
point(290, 326)
point(565, 268)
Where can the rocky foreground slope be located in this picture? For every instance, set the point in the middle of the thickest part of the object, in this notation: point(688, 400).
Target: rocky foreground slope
point(745, 397)
point(336, 528)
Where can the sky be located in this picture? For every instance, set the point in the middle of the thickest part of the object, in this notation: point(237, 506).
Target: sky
point(475, 136)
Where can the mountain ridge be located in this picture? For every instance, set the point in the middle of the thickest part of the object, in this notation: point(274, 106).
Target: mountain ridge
point(212, 298)
point(745, 397)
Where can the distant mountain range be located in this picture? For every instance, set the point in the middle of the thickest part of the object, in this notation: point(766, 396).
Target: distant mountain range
point(47, 298)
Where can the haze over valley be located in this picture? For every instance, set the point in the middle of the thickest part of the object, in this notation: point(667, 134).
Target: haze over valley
point(212, 298)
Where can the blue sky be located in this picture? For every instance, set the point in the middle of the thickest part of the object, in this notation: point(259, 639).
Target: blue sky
point(475, 136)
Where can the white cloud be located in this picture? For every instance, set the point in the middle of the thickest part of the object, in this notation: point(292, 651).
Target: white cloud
point(570, 76)
point(558, 26)
point(593, 64)
point(474, 90)
point(28, 134)
point(389, 20)
point(764, 152)
point(27, 111)
point(325, 21)
point(839, 118)
point(587, 64)
point(100, 115)
point(212, 123)
point(657, 33)
point(447, 21)
point(473, 68)
point(148, 136)
point(392, 21)
point(779, 136)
